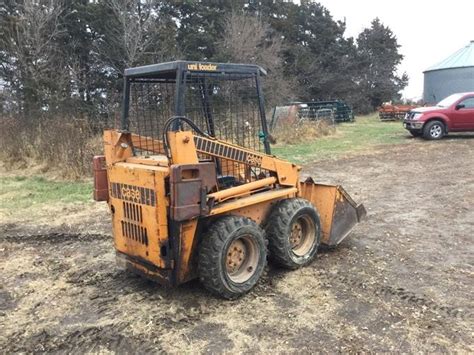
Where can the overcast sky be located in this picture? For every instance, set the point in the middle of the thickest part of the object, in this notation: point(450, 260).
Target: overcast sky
point(428, 31)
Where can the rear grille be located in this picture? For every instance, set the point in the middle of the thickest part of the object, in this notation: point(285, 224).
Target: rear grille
point(131, 228)
point(135, 232)
point(133, 212)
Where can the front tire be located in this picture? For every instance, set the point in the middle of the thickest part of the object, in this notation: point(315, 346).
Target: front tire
point(232, 256)
point(434, 130)
point(294, 233)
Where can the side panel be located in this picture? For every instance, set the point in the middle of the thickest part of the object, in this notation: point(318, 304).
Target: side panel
point(186, 250)
point(439, 117)
point(138, 204)
point(258, 212)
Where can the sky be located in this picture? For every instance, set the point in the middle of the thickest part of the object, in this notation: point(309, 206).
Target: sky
point(428, 31)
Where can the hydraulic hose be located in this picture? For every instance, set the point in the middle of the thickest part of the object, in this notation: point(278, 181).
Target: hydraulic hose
point(167, 126)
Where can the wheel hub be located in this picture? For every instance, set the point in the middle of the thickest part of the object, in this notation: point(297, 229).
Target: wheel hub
point(235, 256)
point(302, 235)
point(435, 131)
point(296, 235)
point(241, 259)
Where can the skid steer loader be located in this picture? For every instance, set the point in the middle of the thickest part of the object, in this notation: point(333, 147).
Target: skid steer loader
point(193, 189)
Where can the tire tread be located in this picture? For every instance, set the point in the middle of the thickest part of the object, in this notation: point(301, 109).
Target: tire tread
point(427, 127)
point(277, 226)
point(210, 273)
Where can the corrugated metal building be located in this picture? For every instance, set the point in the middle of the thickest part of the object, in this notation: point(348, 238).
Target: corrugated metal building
point(454, 74)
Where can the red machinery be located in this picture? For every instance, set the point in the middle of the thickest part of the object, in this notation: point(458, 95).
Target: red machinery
point(389, 112)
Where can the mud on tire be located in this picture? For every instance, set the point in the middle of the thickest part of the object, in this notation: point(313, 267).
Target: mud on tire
point(232, 256)
point(294, 233)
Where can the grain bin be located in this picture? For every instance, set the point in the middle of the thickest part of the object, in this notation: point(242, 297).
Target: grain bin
point(454, 74)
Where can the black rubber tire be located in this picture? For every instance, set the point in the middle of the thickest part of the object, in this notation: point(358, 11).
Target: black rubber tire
point(428, 133)
point(278, 228)
point(415, 133)
point(213, 250)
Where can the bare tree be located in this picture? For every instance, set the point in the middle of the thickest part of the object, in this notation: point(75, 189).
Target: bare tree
point(247, 39)
point(133, 35)
point(33, 56)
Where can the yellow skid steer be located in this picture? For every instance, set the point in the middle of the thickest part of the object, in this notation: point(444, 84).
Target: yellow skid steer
point(193, 189)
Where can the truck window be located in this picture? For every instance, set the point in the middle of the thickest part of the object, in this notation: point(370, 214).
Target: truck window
point(468, 103)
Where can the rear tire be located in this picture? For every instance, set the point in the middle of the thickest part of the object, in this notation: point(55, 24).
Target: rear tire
point(434, 130)
point(415, 133)
point(294, 233)
point(232, 256)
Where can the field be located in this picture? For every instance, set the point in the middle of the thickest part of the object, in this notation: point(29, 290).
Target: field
point(401, 282)
point(356, 137)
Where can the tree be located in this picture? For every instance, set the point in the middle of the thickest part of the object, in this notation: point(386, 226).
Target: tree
point(315, 51)
point(378, 58)
point(132, 32)
point(201, 24)
point(31, 59)
point(67, 57)
point(123, 34)
point(247, 39)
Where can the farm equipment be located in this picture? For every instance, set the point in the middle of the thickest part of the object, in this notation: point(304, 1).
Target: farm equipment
point(193, 189)
point(334, 111)
point(389, 112)
point(340, 111)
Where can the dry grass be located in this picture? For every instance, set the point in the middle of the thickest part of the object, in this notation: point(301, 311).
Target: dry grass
point(364, 134)
point(64, 147)
point(61, 144)
point(299, 133)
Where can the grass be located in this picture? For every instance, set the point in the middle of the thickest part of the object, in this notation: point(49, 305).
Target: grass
point(363, 134)
point(24, 192)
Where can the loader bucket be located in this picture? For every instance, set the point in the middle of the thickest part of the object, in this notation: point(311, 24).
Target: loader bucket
point(337, 210)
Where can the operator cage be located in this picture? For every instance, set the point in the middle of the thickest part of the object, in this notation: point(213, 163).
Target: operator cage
point(223, 100)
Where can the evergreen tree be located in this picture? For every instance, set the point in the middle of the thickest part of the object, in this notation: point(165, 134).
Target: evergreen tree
point(67, 57)
point(379, 58)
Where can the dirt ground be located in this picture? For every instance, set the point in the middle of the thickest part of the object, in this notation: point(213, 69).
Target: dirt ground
point(402, 281)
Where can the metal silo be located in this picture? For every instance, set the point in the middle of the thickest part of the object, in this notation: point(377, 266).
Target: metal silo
point(454, 74)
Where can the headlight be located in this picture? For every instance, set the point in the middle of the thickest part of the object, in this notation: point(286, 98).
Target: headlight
point(417, 116)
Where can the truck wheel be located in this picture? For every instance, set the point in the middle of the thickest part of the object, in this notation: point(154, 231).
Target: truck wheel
point(415, 133)
point(232, 256)
point(294, 233)
point(433, 130)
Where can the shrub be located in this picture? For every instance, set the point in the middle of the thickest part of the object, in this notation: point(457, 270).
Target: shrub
point(64, 144)
point(293, 133)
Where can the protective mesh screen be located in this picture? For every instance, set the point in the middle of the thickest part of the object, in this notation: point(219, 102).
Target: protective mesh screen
point(227, 109)
point(225, 106)
point(152, 103)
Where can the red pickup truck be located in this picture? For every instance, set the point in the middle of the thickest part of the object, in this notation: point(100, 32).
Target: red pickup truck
point(453, 114)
